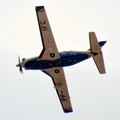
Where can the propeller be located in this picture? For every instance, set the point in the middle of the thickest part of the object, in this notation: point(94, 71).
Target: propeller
point(19, 65)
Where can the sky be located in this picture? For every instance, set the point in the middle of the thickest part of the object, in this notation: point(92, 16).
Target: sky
point(31, 96)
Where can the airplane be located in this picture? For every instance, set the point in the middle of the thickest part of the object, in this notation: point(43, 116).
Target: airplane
point(51, 62)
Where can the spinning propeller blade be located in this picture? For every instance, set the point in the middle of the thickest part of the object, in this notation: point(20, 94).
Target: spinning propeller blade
point(20, 67)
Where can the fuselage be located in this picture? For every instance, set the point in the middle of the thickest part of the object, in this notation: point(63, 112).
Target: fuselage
point(66, 59)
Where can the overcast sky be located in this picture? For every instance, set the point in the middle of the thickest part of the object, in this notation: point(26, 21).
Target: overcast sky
point(32, 96)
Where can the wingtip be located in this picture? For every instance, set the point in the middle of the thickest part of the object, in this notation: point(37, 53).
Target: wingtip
point(38, 8)
point(68, 110)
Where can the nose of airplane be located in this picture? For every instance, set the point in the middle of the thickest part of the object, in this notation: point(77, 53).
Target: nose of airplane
point(17, 65)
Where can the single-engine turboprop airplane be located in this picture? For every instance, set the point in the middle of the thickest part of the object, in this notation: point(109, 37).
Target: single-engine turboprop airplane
point(51, 62)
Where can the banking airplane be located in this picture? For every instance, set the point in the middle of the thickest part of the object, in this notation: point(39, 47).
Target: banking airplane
point(51, 62)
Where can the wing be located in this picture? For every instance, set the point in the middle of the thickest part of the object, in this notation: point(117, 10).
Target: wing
point(50, 50)
point(60, 85)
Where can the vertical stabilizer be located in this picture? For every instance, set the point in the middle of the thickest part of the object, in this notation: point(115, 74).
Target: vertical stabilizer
point(97, 52)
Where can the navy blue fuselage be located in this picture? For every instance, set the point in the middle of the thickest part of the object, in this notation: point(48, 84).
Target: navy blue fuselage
point(66, 59)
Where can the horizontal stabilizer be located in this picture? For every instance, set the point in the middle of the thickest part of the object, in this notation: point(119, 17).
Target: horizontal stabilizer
point(99, 62)
point(97, 52)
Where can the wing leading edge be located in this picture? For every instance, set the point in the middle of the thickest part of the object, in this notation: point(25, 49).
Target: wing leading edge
point(58, 77)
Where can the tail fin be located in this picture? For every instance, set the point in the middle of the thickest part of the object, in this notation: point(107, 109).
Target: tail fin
point(95, 48)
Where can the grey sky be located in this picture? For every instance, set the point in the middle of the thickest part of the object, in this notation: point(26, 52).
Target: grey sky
point(32, 96)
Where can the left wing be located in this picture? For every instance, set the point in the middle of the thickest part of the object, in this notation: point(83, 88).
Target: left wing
point(58, 77)
point(50, 51)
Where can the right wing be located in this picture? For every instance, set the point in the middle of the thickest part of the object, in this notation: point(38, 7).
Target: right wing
point(50, 50)
point(58, 77)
